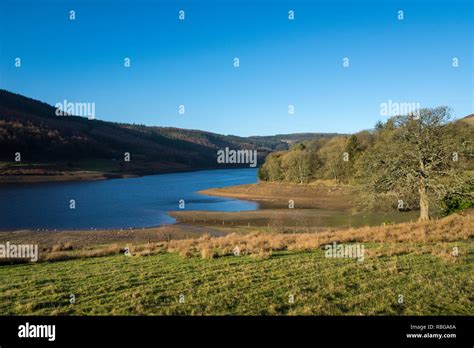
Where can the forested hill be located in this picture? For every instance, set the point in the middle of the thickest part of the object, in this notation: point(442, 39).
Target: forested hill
point(33, 129)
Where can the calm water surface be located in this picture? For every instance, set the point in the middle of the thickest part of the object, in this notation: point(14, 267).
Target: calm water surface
point(117, 203)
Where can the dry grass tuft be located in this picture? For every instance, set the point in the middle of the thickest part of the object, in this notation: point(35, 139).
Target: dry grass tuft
point(208, 253)
point(62, 247)
point(397, 239)
point(62, 254)
point(414, 237)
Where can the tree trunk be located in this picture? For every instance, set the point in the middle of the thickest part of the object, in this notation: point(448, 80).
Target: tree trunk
point(424, 204)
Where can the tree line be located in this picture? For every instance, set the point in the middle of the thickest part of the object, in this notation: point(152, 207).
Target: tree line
point(419, 161)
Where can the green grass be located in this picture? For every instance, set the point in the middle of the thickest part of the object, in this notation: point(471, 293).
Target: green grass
point(120, 285)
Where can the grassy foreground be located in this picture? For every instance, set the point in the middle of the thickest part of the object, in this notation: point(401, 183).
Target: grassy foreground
point(117, 285)
point(408, 270)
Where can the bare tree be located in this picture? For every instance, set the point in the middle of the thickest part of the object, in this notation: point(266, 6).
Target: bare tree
point(416, 156)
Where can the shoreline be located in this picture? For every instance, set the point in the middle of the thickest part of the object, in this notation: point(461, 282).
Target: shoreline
point(313, 207)
point(331, 204)
point(318, 207)
point(59, 178)
point(278, 195)
point(79, 176)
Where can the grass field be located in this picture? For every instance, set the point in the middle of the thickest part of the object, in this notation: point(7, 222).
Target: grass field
point(408, 269)
point(120, 285)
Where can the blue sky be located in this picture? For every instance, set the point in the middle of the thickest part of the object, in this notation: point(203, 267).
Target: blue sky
point(282, 62)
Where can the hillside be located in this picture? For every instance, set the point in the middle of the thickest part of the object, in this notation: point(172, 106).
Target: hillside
point(51, 144)
point(468, 119)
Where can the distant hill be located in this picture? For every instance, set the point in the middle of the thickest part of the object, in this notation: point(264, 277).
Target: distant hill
point(32, 128)
point(283, 141)
point(468, 119)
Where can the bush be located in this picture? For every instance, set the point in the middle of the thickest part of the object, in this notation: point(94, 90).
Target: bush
point(455, 203)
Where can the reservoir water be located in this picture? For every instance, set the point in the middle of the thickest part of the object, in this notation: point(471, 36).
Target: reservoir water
point(117, 203)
